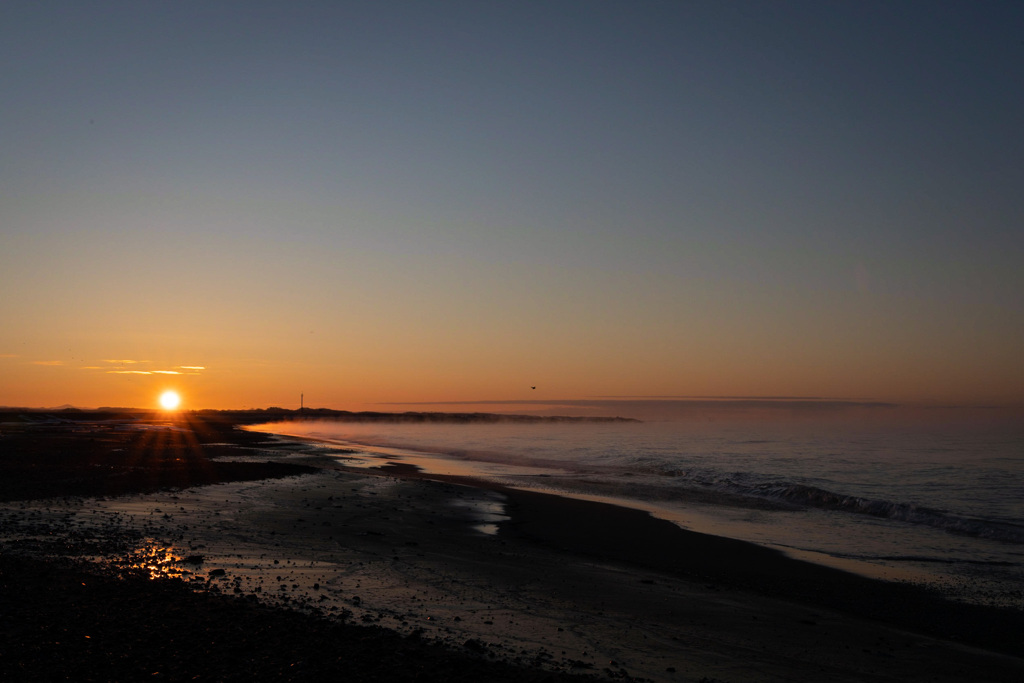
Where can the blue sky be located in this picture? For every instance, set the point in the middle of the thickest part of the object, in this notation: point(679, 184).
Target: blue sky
point(456, 200)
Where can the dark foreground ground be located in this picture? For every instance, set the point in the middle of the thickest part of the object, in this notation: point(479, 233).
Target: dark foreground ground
point(725, 605)
point(87, 454)
point(62, 620)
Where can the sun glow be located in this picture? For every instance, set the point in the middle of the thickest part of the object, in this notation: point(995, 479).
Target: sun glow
point(169, 400)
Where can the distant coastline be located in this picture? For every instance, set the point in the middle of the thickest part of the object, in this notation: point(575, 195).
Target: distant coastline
point(375, 416)
point(255, 415)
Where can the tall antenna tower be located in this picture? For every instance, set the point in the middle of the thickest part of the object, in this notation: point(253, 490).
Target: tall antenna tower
point(302, 402)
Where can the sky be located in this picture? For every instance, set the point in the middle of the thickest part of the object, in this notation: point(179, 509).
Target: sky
point(378, 203)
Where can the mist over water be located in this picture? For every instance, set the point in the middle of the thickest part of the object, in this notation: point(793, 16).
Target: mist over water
point(933, 500)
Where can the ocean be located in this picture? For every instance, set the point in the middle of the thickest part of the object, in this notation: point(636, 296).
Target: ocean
point(931, 500)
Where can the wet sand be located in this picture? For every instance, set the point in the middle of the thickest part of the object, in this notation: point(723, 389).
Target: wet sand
point(472, 573)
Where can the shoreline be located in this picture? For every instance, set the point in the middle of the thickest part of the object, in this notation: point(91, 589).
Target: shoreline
point(607, 531)
point(690, 509)
point(576, 584)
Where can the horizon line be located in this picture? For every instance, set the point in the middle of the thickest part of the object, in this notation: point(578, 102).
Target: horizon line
point(666, 399)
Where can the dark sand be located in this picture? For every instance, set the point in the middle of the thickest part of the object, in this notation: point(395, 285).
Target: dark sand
point(323, 572)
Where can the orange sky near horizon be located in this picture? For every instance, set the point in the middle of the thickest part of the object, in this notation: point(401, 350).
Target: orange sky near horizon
point(340, 373)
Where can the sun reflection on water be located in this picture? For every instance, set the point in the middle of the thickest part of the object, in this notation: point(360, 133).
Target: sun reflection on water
point(156, 560)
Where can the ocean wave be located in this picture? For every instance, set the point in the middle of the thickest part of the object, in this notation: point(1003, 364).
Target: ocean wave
point(805, 496)
point(740, 489)
point(814, 497)
point(946, 560)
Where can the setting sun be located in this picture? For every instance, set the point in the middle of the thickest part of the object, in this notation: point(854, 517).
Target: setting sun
point(169, 400)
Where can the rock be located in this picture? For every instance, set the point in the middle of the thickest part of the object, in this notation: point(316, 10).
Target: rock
point(475, 645)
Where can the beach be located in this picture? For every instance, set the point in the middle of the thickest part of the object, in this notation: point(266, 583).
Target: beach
point(193, 545)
